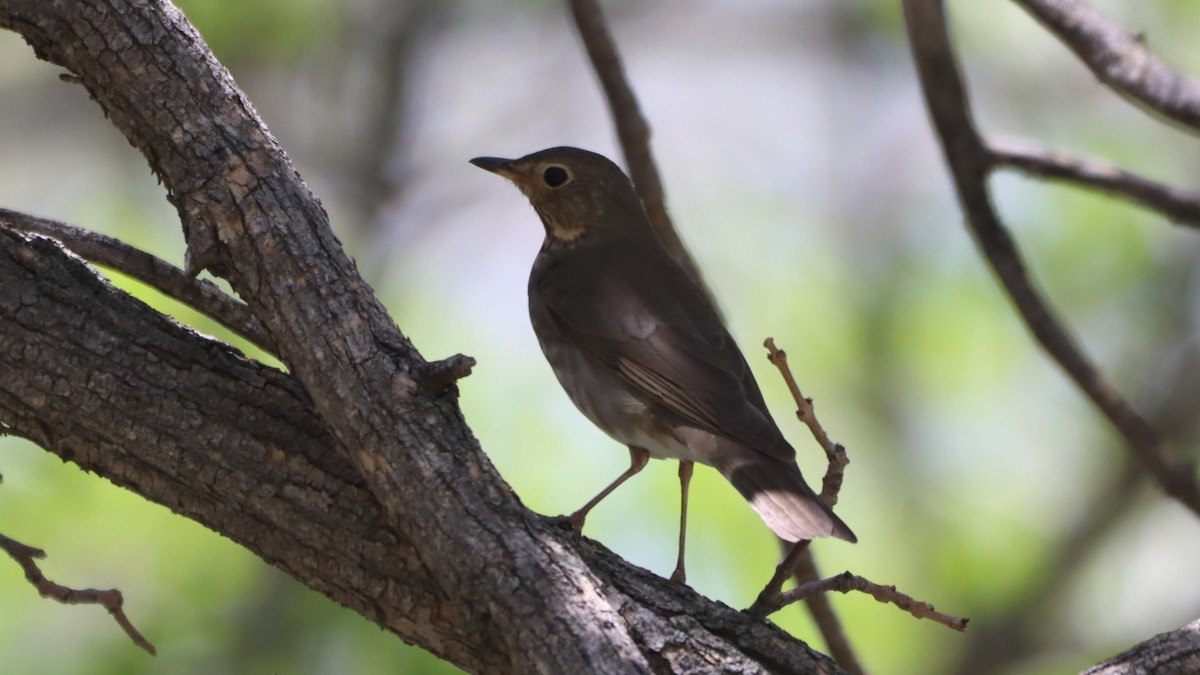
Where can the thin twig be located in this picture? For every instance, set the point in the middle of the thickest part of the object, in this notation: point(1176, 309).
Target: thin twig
point(783, 572)
point(820, 607)
point(799, 561)
point(969, 163)
point(201, 295)
point(632, 131)
point(1118, 57)
point(846, 582)
point(831, 484)
point(1181, 206)
point(110, 600)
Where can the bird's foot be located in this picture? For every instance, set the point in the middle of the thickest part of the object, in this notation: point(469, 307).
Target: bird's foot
point(679, 575)
point(576, 519)
point(572, 521)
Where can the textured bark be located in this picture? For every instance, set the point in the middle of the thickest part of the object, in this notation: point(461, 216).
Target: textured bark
point(349, 473)
point(1176, 651)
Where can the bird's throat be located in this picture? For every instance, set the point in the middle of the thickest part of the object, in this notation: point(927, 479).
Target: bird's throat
point(561, 231)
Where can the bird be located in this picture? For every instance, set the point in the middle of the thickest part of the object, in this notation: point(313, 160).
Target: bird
point(641, 350)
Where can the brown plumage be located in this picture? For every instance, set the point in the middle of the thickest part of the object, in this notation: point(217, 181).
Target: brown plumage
point(642, 352)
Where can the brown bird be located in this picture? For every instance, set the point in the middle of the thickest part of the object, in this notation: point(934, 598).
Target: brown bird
point(641, 350)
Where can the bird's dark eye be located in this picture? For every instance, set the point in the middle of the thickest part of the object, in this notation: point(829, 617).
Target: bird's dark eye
point(554, 176)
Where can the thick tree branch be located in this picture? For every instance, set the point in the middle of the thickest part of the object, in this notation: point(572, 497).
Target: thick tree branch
point(248, 216)
point(1176, 651)
point(189, 423)
point(199, 294)
point(439, 551)
point(1181, 206)
point(969, 162)
point(1119, 58)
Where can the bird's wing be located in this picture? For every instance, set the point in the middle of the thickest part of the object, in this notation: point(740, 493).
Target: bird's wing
point(668, 342)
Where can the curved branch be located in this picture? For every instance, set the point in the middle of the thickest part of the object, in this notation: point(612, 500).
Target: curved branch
point(422, 536)
point(186, 422)
point(199, 294)
point(1181, 206)
point(633, 132)
point(1119, 58)
point(1176, 651)
point(969, 162)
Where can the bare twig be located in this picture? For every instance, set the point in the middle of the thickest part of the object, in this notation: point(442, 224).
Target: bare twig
point(970, 162)
point(820, 607)
point(846, 582)
point(632, 131)
point(1119, 58)
point(783, 572)
point(798, 561)
point(1181, 206)
point(109, 599)
point(202, 295)
point(831, 484)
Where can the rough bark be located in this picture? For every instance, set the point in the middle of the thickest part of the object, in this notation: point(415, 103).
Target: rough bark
point(351, 472)
point(1176, 651)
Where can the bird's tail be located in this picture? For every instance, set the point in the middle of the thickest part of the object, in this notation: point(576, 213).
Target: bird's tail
point(777, 491)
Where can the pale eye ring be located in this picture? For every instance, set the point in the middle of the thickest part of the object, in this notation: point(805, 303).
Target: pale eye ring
point(555, 176)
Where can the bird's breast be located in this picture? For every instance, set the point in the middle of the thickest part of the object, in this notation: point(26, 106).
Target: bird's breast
point(606, 399)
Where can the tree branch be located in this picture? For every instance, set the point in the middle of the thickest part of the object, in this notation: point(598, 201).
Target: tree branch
point(186, 422)
point(633, 132)
point(199, 294)
point(1181, 206)
point(835, 453)
point(1119, 58)
point(846, 582)
point(798, 561)
point(1176, 651)
point(969, 162)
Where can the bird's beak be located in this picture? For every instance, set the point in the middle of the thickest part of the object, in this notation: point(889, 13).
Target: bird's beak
point(497, 165)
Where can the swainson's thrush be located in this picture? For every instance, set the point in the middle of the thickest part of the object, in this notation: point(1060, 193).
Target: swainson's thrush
point(642, 352)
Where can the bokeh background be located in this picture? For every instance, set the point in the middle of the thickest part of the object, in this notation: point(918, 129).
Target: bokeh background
point(802, 173)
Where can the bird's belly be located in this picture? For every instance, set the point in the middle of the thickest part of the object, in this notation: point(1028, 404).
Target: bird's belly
point(614, 406)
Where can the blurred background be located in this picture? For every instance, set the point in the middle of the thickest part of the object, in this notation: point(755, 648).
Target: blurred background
point(802, 173)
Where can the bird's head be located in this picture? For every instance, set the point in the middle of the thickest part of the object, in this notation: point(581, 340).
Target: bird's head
point(574, 191)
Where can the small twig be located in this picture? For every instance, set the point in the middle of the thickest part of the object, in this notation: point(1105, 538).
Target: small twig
point(1181, 206)
point(831, 484)
point(820, 607)
point(783, 571)
point(1118, 57)
point(438, 376)
point(969, 162)
point(846, 582)
point(109, 599)
point(202, 295)
point(632, 131)
point(799, 561)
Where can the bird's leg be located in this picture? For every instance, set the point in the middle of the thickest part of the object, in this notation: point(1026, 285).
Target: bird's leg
point(685, 479)
point(638, 457)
